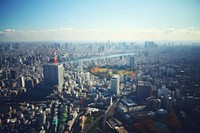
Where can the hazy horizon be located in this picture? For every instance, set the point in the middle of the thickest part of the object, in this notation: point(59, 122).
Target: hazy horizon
point(88, 20)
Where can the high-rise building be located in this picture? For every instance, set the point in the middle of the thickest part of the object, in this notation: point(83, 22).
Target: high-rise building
point(168, 102)
point(5, 75)
point(114, 85)
point(74, 75)
point(144, 90)
point(54, 74)
point(22, 81)
point(140, 89)
point(150, 44)
point(132, 62)
point(87, 76)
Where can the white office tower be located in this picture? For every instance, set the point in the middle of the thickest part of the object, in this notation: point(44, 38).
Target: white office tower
point(114, 85)
point(22, 81)
point(54, 74)
point(110, 101)
point(132, 62)
point(92, 77)
point(87, 76)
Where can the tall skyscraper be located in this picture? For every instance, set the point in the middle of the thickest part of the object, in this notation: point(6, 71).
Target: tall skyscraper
point(114, 85)
point(132, 62)
point(140, 90)
point(22, 81)
point(53, 74)
point(144, 90)
point(87, 76)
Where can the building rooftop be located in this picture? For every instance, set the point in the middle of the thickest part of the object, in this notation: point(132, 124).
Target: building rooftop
point(128, 102)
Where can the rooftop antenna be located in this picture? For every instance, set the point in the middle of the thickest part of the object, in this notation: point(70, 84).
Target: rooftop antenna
point(55, 57)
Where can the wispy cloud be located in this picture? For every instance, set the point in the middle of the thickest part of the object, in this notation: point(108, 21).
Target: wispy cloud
point(75, 34)
point(7, 31)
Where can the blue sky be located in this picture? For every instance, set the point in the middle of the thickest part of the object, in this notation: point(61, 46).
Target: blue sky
point(22, 20)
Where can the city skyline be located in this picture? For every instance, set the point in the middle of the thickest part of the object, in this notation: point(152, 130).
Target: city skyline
point(100, 20)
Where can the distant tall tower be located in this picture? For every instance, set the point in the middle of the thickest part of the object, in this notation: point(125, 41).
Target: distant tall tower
point(55, 57)
point(132, 62)
point(114, 85)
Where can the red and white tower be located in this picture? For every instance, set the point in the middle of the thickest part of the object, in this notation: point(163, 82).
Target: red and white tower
point(55, 57)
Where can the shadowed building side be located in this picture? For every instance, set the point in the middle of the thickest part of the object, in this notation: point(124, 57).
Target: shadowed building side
point(54, 75)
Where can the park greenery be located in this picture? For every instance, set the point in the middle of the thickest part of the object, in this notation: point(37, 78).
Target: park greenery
point(108, 72)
